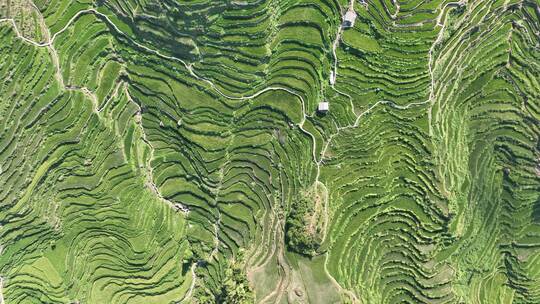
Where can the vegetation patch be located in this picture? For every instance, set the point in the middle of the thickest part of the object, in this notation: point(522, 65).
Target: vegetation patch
point(304, 222)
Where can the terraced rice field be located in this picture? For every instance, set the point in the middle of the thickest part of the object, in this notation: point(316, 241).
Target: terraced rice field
point(172, 151)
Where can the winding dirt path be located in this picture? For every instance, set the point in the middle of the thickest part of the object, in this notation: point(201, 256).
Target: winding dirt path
point(2, 291)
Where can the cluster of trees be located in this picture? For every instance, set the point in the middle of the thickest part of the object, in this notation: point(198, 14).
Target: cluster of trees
point(233, 287)
point(298, 236)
